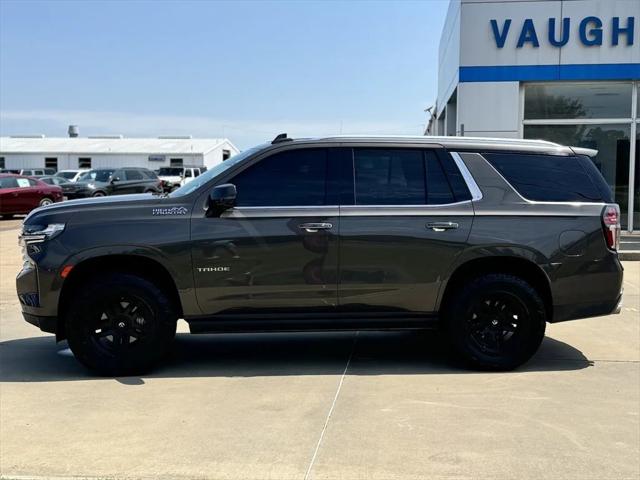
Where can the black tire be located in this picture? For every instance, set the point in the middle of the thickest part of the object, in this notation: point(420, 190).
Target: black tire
point(99, 194)
point(45, 201)
point(120, 324)
point(7, 216)
point(495, 322)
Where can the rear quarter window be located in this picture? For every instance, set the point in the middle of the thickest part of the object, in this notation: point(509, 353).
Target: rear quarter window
point(547, 178)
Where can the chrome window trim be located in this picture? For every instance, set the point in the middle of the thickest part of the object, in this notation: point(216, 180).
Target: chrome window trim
point(476, 193)
point(283, 211)
point(446, 209)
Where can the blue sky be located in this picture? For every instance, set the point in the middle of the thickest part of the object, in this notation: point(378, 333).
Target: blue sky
point(245, 70)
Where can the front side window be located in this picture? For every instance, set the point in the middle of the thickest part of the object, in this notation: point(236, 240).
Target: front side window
point(8, 182)
point(292, 178)
point(96, 175)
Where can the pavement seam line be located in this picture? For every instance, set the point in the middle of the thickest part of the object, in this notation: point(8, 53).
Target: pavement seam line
point(333, 404)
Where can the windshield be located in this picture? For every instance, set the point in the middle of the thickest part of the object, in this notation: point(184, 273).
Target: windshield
point(170, 171)
point(96, 176)
point(196, 183)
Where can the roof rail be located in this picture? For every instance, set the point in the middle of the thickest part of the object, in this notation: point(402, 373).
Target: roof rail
point(281, 138)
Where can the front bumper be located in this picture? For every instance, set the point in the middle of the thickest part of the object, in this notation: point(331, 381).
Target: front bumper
point(46, 324)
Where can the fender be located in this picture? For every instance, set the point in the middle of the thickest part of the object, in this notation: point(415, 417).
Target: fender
point(498, 252)
point(183, 280)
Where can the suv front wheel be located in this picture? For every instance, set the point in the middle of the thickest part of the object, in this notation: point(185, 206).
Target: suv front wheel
point(120, 325)
point(496, 321)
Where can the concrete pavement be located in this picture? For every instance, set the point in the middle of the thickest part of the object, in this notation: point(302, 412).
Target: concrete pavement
point(378, 405)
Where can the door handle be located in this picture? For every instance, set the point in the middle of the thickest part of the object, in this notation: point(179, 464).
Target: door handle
point(314, 227)
point(442, 226)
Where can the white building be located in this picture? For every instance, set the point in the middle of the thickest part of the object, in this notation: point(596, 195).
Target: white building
point(561, 70)
point(113, 151)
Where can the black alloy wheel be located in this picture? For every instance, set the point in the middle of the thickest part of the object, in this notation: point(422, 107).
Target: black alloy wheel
point(120, 324)
point(495, 321)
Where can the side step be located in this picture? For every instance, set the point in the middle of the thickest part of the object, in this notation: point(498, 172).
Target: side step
point(271, 323)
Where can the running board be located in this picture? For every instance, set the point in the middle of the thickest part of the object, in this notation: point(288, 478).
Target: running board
point(267, 323)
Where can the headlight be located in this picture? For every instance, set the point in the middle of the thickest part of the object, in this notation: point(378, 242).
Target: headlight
point(33, 235)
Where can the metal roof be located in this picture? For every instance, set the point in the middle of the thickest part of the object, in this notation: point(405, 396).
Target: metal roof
point(77, 145)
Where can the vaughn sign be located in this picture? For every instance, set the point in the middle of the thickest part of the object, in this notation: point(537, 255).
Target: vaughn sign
point(591, 31)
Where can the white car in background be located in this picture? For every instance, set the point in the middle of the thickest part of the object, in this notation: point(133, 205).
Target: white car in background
point(175, 177)
point(71, 175)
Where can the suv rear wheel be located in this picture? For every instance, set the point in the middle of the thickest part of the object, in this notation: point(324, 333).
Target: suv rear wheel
point(496, 321)
point(120, 325)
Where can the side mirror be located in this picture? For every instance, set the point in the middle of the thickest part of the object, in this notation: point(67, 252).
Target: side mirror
point(221, 198)
point(114, 180)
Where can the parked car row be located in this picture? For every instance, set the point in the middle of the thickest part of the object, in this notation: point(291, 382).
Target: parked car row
point(19, 193)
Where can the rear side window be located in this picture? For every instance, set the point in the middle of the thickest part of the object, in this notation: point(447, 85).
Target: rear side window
point(133, 175)
point(389, 177)
point(546, 178)
point(292, 178)
point(400, 177)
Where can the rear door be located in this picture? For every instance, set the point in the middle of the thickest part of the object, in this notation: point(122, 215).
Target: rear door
point(136, 183)
point(409, 217)
point(277, 250)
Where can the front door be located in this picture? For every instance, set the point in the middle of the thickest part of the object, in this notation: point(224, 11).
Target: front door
point(277, 250)
point(402, 231)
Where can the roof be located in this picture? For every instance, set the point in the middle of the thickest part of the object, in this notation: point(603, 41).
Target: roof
point(462, 143)
point(79, 145)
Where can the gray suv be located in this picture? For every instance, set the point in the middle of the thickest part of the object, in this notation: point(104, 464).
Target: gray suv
point(483, 239)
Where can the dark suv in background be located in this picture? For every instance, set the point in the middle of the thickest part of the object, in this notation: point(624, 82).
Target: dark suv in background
point(484, 239)
point(110, 181)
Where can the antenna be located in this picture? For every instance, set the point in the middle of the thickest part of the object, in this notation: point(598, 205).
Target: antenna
point(281, 138)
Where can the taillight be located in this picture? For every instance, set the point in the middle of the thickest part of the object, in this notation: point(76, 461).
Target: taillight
point(611, 226)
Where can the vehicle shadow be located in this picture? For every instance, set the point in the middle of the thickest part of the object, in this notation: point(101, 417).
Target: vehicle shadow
point(40, 359)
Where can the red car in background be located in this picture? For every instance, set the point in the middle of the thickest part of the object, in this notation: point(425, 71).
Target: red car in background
point(20, 194)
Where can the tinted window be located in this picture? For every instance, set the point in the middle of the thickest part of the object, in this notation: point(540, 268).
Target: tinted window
point(133, 175)
point(50, 181)
point(289, 178)
point(8, 182)
point(148, 174)
point(32, 182)
point(546, 177)
point(438, 189)
point(68, 174)
point(389, 177)
point(96, 175)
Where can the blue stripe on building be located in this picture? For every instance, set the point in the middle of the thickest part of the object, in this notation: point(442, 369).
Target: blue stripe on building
point(514, 73)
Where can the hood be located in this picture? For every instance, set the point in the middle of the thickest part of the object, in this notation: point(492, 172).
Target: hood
point(69, 207)
point(170, 178)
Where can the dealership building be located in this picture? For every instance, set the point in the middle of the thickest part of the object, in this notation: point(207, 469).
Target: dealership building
point(567, 71)
point(111, 151)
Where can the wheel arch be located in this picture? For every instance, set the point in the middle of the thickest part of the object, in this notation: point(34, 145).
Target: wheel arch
point(516, 266)
point(138, 265)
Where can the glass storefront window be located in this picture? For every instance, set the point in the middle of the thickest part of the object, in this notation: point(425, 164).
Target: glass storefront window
point(560, 100)
point(612, 143)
